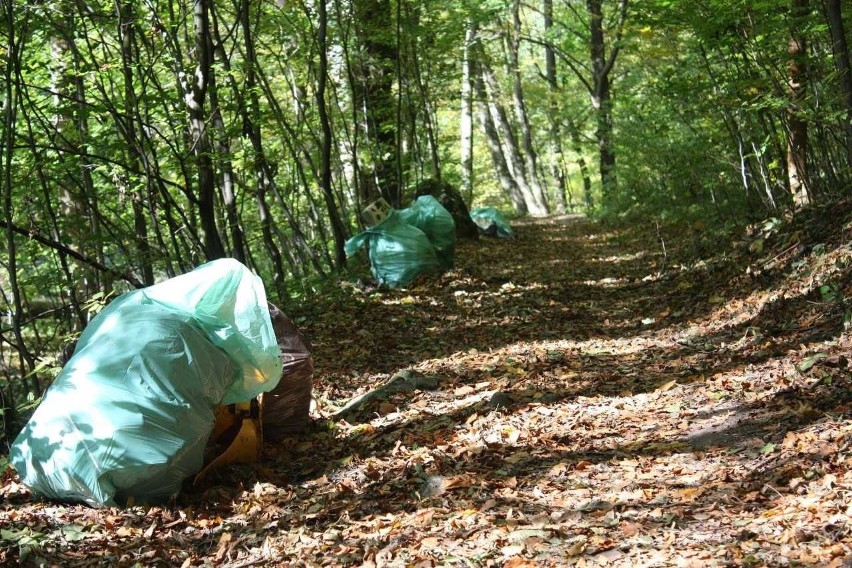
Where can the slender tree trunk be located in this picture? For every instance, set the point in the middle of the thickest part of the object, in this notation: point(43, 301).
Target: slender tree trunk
point(492, 139)
point(601, 96)
point(72, 205)
point(466, 118)
point(430, 120)
point(844, 69)
point(265, 171)
point(576, 142)
point(797, 138)
point(337, 228)
point(375, 79)
point(10, 105)
point(99, 281)
point(352, 157)
point(195, 88)
point(556, 156)
point(530, 155)
point(508, 140)
point(223, 151)
point(126, 29)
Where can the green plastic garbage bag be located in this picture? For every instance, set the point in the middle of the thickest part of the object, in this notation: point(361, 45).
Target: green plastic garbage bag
point(399, 252)
point(428, 215)
point(132, 410)
point(491, 222)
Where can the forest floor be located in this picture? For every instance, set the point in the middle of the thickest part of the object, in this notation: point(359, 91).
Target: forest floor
point(582, 395)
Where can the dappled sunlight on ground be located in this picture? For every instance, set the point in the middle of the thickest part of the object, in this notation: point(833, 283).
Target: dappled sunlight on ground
point(566, 399)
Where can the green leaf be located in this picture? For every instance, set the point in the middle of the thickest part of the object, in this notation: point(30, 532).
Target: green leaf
point(808, 363)
point(830, 292)
point(767, 448)
point(73, 533)
point(20, 537)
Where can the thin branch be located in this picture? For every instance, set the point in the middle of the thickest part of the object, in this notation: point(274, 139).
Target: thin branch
point(573, 64)
point(57, 246)
point(619, 32)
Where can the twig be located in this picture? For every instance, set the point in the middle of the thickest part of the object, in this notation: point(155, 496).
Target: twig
point(59, 247)
point(780, 254)
point(663, 243)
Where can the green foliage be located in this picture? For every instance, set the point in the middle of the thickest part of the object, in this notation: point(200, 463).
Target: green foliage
point(830, 292)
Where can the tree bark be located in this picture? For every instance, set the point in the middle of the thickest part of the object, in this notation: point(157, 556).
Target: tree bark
point(576, 142)
point(374, 94)
point(126, 29)
point(495, 147)
point(601, 96)
point(238, 247)
point(530, 155)
point(844, 68)
point(337, 228)
point(508, 140)
point(556, 156)
point(797, 137)
point(10, 105)
point(195, 89)
point(466, 118)
point(66, 141)
point(430, 119)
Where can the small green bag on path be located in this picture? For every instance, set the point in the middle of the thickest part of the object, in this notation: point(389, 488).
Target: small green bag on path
point(491, 223)
point(130, 414)
point(399, 252)
point(428, 215)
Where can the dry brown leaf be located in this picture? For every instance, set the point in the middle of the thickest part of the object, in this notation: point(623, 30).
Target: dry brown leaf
point(516, 457)
point(429, 543)
point(224, 545)
point(518, 562)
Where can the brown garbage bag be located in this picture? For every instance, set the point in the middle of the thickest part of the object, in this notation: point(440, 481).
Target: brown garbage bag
point(286, 407)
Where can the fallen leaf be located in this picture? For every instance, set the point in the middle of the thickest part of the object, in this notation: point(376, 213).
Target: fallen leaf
point(223, 546)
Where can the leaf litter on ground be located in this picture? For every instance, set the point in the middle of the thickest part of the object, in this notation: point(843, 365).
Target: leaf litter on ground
point(574, 397)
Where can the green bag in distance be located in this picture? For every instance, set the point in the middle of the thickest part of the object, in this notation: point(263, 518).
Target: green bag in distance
point(428, 215)
point(491, 223)
point(398, 252)
point(130, 414)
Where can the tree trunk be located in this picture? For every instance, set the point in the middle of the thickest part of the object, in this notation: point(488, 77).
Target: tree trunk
point(337, 228)
point(375, 74)
point(530, 155)
point(126, 29)
point(495, 147)
point(430, 119)
point(349, 145)
point(195, 89)
point(10, 105)
point(797, 137)
point(508, 140)
point(466, 118)
point(556, 156)
point(601, 97)
point(238, 247)
point(66, 141)
point(576, 142)
point(844, 69)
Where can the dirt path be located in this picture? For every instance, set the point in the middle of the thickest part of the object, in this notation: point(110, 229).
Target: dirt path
point(572, 397)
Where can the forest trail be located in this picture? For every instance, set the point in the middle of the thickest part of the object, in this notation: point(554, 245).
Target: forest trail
point(577, 396)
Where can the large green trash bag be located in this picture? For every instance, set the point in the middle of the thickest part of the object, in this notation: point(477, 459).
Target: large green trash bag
point(132, 410)
point(399, 252)
point(428, 215)
point(491, 223)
